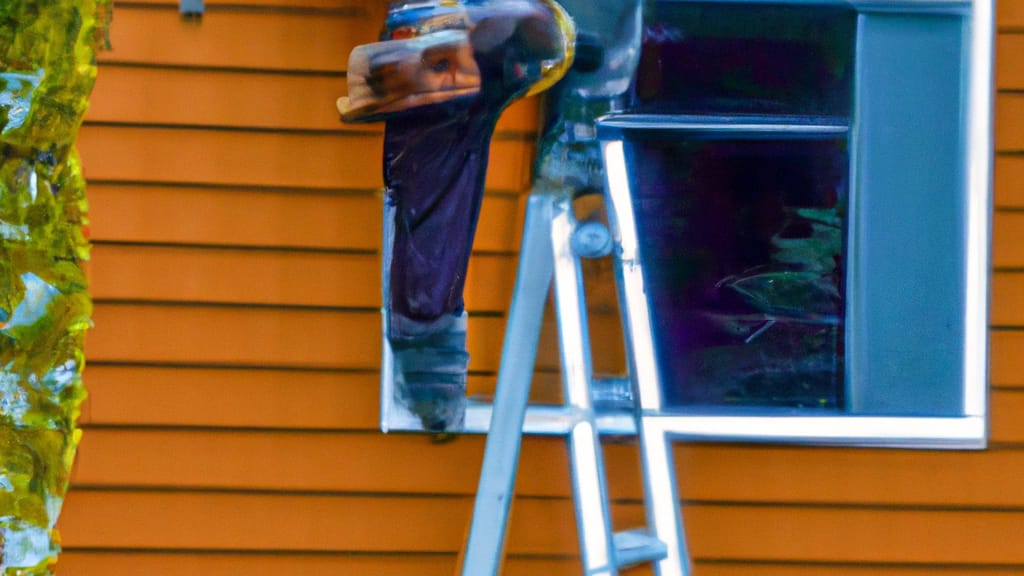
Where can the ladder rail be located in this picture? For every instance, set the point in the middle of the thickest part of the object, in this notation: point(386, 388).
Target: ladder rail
point(661, 495)
point(494, 493)
point(661, 498)
point(593, 520)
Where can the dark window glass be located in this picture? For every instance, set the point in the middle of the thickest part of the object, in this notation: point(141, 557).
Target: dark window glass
point(742, 242)
point(729, 58)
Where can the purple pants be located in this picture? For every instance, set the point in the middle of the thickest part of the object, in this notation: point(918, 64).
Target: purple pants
point(435, 161)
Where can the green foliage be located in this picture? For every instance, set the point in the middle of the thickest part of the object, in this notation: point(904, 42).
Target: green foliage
point(48, 49)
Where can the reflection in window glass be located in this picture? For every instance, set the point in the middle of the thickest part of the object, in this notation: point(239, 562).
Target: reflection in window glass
point(743, 250)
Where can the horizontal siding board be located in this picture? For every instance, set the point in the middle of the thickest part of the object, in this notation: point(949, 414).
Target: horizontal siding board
point(175, 274)
point(230, 158)
point(287, 41)
point(277, 461)
point(832, 569)
point(1010, 14)
point(182, 396)
point(1006, 362)
point(1009, 130)
point(232, 335)
point(102, 563)
point(276, 337)
point(130, 94)
point(1005, 423)
point(1008, 239)
point(1009, 66)
point(239, 158)
point(1008, 299)
point(141, 95)
point(256, 521)
point(836, 477)
point(212, 521)
point(217, 521)
point(352, 463)
point(1008, 175)
point(288, 218)
point(97, 563)
point(230, 398)
point(855, 535)
point(234, 217)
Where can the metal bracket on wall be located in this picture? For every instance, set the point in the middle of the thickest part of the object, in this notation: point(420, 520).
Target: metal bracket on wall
point(191, 8)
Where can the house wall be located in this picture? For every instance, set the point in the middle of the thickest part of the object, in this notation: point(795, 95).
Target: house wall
point(232, 420)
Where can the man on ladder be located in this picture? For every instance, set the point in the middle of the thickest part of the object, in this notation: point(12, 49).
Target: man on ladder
point(440, 78)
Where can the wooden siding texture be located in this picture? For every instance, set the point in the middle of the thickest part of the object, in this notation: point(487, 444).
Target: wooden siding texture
point(231, 425)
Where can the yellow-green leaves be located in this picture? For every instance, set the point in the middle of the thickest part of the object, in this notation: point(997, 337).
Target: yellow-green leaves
point(47, 69)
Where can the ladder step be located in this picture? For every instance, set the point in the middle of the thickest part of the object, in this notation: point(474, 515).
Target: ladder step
point(612, 394)
point(636, 547)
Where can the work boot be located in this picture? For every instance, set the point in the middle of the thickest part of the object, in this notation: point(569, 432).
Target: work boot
point(430, 375)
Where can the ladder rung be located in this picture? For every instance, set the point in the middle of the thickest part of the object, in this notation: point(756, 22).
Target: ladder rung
point(612, 394)
point(637, 546)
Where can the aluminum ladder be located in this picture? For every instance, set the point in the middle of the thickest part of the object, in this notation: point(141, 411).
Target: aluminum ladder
point(553, 244)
